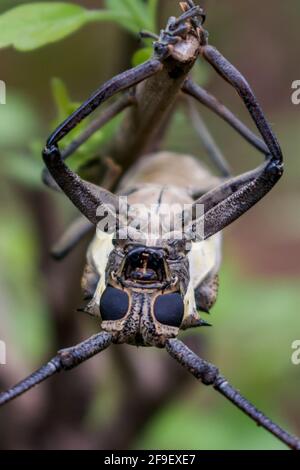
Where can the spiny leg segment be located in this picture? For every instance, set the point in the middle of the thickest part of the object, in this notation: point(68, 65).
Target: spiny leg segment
point(66, 359)
point(250, 188)
point(208, 374)
point(86, 197)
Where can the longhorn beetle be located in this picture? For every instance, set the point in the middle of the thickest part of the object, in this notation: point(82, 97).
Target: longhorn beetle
point(144, 288)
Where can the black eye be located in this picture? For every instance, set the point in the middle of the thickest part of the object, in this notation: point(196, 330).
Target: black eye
point(114, 304)
point(169, 309)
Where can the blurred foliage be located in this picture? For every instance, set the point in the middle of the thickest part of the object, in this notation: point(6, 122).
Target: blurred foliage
point(33, 25)
point(24, 164)
point(18, 161)
point(23, 307)
point(21, 286)
point(30, 26)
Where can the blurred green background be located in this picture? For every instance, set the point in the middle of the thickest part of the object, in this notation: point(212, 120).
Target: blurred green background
point(127, 398)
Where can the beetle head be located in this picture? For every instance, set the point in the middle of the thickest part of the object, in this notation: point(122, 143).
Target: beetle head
point(144, 299)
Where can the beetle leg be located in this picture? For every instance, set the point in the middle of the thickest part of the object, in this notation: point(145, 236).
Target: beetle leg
point(70, 239)
point(119, 83)
point(207, 140)
point(212, 103)
point(218, 194)
point(81, 227)
point(193, 12)
point(227, 71)
point(85, 196)
point(208, 374)
point(66, 359)
point(190, 3)
point(148, 35)
point(206, 293)
point(230, 201)
point(177, 34)
point(108, 114)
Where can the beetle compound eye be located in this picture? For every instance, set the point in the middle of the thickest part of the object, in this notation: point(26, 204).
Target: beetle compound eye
point(114, 304)
point(169, 309)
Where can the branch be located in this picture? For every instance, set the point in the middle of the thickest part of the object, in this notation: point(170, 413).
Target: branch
point(208, 374)
point(154, 99)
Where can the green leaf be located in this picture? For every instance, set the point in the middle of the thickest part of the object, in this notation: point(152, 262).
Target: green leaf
point(125, 19)
point(33, 25)
point(138, 11)
point(152, 12)
point(136, 15)
point(142, 55)
point(61, 98)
